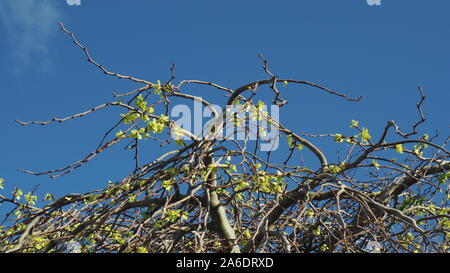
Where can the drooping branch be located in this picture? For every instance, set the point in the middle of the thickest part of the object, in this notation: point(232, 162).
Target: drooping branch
point(224, 195)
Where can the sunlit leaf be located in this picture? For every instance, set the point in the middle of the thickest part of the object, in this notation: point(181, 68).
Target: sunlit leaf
point(375, 163)
point(399, 148)
point(365, 136)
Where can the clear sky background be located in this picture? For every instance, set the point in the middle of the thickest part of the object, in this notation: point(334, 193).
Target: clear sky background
point(380, 52)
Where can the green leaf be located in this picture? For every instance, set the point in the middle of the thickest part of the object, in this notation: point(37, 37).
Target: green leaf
point(157, 126)
point(399, 148)
point(18, 193)
point(129, 117)
point(135, 134)
point(18, 213)
point(1, 183)
point(167, 184)
point(338, 138)
point(247, 234)
point(260, 105)
point(299, 147)
point(120, 133)
point(179, 142)
point(442, 178)
point(48, 197)
point(289, 140)
point(418, 149)
point(140, 103)
point(241, 185)
point(365, 136)
point(126, 187)
point(31, 199)
point(354, 124)
point(334, 169)
point(157, 87)
point(317, 231)
point(375, 163)
point(185, 215)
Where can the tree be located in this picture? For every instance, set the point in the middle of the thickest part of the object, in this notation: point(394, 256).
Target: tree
point(213, 194)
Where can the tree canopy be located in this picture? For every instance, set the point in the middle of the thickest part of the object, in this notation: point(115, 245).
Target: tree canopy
point(385, 191)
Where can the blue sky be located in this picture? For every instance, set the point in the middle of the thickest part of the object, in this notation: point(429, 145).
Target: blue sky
point(380, 52)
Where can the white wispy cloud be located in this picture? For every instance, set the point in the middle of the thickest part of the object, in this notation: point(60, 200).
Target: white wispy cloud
point(30, 25)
